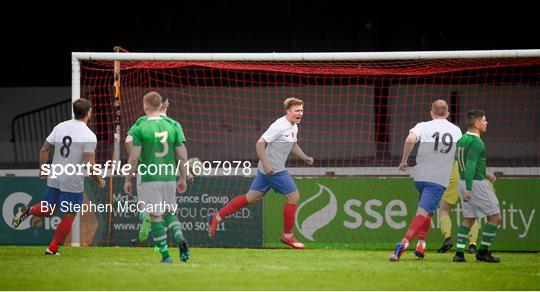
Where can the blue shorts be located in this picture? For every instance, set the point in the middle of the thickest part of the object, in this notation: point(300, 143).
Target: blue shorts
point(54, 197)
point(281, 182)
point(430, 195)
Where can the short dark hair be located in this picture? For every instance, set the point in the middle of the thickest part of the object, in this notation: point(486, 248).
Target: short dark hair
point(473, 116)
point(164, 99)
point(81, 107)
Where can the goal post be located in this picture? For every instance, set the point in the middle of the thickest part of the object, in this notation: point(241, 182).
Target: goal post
point(358, 106)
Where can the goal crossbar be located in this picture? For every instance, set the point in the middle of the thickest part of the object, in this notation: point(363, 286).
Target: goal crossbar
point(291, 57)
point(338, 56)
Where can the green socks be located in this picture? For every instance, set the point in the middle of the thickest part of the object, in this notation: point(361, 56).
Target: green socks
point(462, 237)
point(160, 238)
point(488, 234)
point(174, 226)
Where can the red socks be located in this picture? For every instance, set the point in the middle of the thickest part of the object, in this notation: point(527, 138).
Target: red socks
point(416, 225)
point(234, 205)
point(289, 212)
point(422, 233)
point(36, 211)
point(61, 232)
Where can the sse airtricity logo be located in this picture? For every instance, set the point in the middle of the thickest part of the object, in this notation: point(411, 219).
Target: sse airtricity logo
point(8, 208)
point(320, 218)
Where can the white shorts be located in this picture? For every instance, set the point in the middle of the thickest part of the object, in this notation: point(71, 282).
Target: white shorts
point(138, 180)
point(158, 197)
point(138, 183)
point(483, 203)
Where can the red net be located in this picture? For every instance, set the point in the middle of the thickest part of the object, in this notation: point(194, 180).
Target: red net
point(356, 113)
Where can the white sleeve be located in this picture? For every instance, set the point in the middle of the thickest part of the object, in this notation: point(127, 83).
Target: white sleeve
point(90, 144)
point(52, 136)
point(458, 134)
point(417, 130)
point(272, 133)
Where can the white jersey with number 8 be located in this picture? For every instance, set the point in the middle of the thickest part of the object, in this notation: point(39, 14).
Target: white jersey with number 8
point(70, 139)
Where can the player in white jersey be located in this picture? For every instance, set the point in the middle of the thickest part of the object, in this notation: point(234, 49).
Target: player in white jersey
point(74, 145)
point(273, 148)
point(437, 138)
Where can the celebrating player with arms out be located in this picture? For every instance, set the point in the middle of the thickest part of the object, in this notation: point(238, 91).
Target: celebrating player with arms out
point(476, 189)
point(431, 174)
point(153, 139)
point(73, 144)
point(273, 148)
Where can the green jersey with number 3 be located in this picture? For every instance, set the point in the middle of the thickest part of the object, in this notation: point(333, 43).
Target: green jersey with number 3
point(471, 158)
point(165, 117)
point(158, 138)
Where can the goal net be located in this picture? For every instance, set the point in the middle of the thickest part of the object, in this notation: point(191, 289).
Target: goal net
point(357, 114)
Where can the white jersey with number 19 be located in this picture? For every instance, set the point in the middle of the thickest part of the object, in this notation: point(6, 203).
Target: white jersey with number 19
point(435, 156)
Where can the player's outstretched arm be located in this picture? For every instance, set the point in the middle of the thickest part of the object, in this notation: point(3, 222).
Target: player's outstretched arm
point(296, 150)
point(407, 149)
point(261, 148)
point(182, 156)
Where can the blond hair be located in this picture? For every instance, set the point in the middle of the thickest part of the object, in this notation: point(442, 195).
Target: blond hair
point(152, 100)
point(439, 108)
point(292, 101)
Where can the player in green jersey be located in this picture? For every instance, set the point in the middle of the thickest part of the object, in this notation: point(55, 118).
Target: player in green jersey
point(159, 144)
point(476, 189)
point(144, 228)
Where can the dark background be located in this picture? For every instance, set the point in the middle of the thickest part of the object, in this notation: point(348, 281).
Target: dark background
point(39, 37)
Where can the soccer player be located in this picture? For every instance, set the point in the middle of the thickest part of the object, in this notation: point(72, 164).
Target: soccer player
point(449, 200)
point(145, 218)
point(273, 148)
point(432, 172)
point(476, 189)
point(73, 144)
point(153, 140)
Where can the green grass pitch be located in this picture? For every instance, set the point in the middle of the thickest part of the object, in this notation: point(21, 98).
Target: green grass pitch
point(121, 268)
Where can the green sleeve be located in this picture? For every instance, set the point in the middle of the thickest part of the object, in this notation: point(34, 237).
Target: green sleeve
point(136, 134)
point(130, 131)
point(180, 138)
point(473, 153)
point(137, 122)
